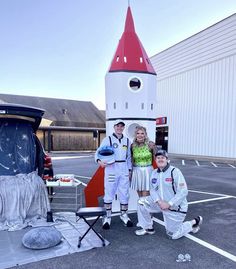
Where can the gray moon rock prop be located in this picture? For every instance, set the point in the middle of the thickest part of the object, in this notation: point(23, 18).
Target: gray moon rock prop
point(41, 238)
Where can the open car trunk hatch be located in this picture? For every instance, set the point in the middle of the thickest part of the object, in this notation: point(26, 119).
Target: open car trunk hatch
point(29, 114)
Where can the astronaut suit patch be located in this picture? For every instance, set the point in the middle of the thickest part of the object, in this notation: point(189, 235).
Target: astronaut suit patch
point(154, 180)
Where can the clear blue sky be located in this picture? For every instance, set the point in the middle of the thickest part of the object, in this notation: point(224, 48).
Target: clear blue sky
point(63, 48)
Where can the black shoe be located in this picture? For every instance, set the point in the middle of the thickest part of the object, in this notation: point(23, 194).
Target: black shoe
point(106, 223)
point(196, 227)
point(129, 223)
point(199, 220)
point(126, 220)
point(106, 226)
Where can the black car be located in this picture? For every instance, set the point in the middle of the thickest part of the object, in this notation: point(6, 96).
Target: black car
point(20, 148)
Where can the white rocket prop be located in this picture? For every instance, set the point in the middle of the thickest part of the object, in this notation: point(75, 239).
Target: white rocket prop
point(131, 90)
point(130, 96)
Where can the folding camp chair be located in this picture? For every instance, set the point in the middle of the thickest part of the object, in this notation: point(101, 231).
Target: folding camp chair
point(85, 212)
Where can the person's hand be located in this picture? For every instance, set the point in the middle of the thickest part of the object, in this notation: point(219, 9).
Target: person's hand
point(163, 205)
point(102, 164)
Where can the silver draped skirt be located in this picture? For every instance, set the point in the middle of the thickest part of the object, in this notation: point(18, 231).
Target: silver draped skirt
point(141, 178)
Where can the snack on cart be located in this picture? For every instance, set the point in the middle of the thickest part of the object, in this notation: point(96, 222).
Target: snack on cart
point(65, 179)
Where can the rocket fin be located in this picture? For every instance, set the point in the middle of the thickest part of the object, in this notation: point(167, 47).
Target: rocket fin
point(95, 188)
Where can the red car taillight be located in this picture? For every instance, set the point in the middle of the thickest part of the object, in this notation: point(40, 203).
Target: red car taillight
point(47, 161)
point(48, 171)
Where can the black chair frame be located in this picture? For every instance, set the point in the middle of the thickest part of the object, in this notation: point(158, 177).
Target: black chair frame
point(97, 212)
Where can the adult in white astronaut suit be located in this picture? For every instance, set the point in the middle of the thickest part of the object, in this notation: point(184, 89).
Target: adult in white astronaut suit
point(117, 173)
point(167, 195)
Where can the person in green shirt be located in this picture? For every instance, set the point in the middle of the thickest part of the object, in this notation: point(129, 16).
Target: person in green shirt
point(142, 153)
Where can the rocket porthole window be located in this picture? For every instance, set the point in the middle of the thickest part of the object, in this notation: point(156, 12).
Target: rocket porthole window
point(135, 84)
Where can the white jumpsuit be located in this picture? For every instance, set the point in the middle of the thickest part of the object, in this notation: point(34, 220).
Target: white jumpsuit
point(174, 192)
point(117, 174)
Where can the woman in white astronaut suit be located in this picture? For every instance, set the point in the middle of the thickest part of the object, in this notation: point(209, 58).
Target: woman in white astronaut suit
point(167, 195)
point(117, 174)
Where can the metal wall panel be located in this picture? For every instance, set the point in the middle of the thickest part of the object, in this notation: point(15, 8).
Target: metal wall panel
point(214, 43)
point(197, 91)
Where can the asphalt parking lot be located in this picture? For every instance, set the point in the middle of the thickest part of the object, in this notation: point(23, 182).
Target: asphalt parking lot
point(212, 194)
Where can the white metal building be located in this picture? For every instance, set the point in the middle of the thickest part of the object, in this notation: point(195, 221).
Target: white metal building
point(196, 91)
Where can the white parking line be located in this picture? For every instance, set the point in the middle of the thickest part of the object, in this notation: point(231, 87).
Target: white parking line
point(205, 244)
point(183, 162)
point(70, 157)
point(211, 193)
point(79, 181)
point(212, 247)
point(82, 177)
point(77, 177)
point(231, 165)
point(209, 200)
point(197, 162)
point(214, 164)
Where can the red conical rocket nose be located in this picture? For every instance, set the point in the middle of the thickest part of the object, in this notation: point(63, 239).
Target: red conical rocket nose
point(130, 55)
point(129, 22)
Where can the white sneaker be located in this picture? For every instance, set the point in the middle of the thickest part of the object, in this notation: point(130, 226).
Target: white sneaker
point(143, 231)
point(126, 220)
point(106, 223)
point(196, 227)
